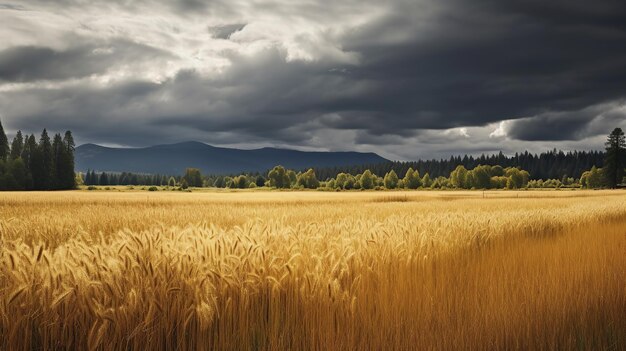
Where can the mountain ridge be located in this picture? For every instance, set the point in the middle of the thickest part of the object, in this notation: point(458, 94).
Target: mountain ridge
point(174, 158)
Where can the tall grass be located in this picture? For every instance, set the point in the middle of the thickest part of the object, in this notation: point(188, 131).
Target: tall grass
point(310, 271)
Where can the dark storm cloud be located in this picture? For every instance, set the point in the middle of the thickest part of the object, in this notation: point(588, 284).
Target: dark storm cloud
point(551, 127)
point(33, 63)
point(487, 61)
point(570, 125)
point(554, 68)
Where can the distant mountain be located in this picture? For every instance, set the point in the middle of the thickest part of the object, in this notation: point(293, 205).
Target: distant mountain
point(175, 158)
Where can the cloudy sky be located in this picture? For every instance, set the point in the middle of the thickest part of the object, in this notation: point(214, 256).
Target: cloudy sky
point(406, 79)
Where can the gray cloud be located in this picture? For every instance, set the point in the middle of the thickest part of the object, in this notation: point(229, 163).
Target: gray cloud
point(572, 125)
point(33, 63)
point(398, 78)
point(225, 31)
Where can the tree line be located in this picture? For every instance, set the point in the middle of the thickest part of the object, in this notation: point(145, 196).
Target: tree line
point(28, 164)
point(279, 177)
point(123, 178)
point(553, 164)
point(480, 176)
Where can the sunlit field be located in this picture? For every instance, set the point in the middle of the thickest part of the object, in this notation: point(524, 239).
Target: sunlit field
point(261, 270)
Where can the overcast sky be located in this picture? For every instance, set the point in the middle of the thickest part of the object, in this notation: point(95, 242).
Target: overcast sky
point(406, 79)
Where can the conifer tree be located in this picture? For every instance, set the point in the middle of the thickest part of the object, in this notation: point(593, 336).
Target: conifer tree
point(4, 144)
point(36, 165)
point(69, 173)
point(17, 146)
point(104, 179)
point(615, 158)
point(58, 161)
point(47, 161)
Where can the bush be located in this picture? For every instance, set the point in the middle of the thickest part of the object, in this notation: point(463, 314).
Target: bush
point(91, 187)
point(153, 188)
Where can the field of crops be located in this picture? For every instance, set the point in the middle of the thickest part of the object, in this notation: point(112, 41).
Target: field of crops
point(313, 270)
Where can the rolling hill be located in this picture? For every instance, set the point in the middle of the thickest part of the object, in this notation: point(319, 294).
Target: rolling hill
point(174, 158)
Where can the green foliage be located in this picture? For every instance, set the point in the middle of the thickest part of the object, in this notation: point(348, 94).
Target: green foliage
point(552, 164)
point(593, 178)
point(153, 188)
point(517, 178)
point(41, 161)
point(366, 181)
point(391, 180)
point(193, 177)
point(104, 179)
point(171, 182)
point(615, 158)
point(17, 146)
point(426, 181)
point(308, 180)
point(497, 171)
point(480, 177)
point(63, 164)
point(342, 178)
point(79, 179)
point(441, 182)
point(458, 178)
point(44, 166)
point(293, 177)
point(487, 177)
point(260, 180)
point(4, 144)
point(412, 179)
point(552, 183)
point(279, 178)
point(331, 184)
point(240, 182)
point(350, 182)
point(498, 182)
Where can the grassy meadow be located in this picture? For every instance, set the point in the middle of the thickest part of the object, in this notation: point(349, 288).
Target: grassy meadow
point(268, 270)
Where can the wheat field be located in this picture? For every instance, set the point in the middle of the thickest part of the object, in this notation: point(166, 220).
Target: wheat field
point(542, 270)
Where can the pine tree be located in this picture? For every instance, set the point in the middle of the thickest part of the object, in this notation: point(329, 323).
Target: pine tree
point(614, 161)
point(4, 144)
point(47, 160)
point(30, 145)
point(58, 161)
point(17, 146)
point(70, 147)
point(104, 179)
point(89, 178)
point(36, 165)
point(26, 151)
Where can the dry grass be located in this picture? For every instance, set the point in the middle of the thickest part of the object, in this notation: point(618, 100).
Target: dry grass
point(313, 271)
